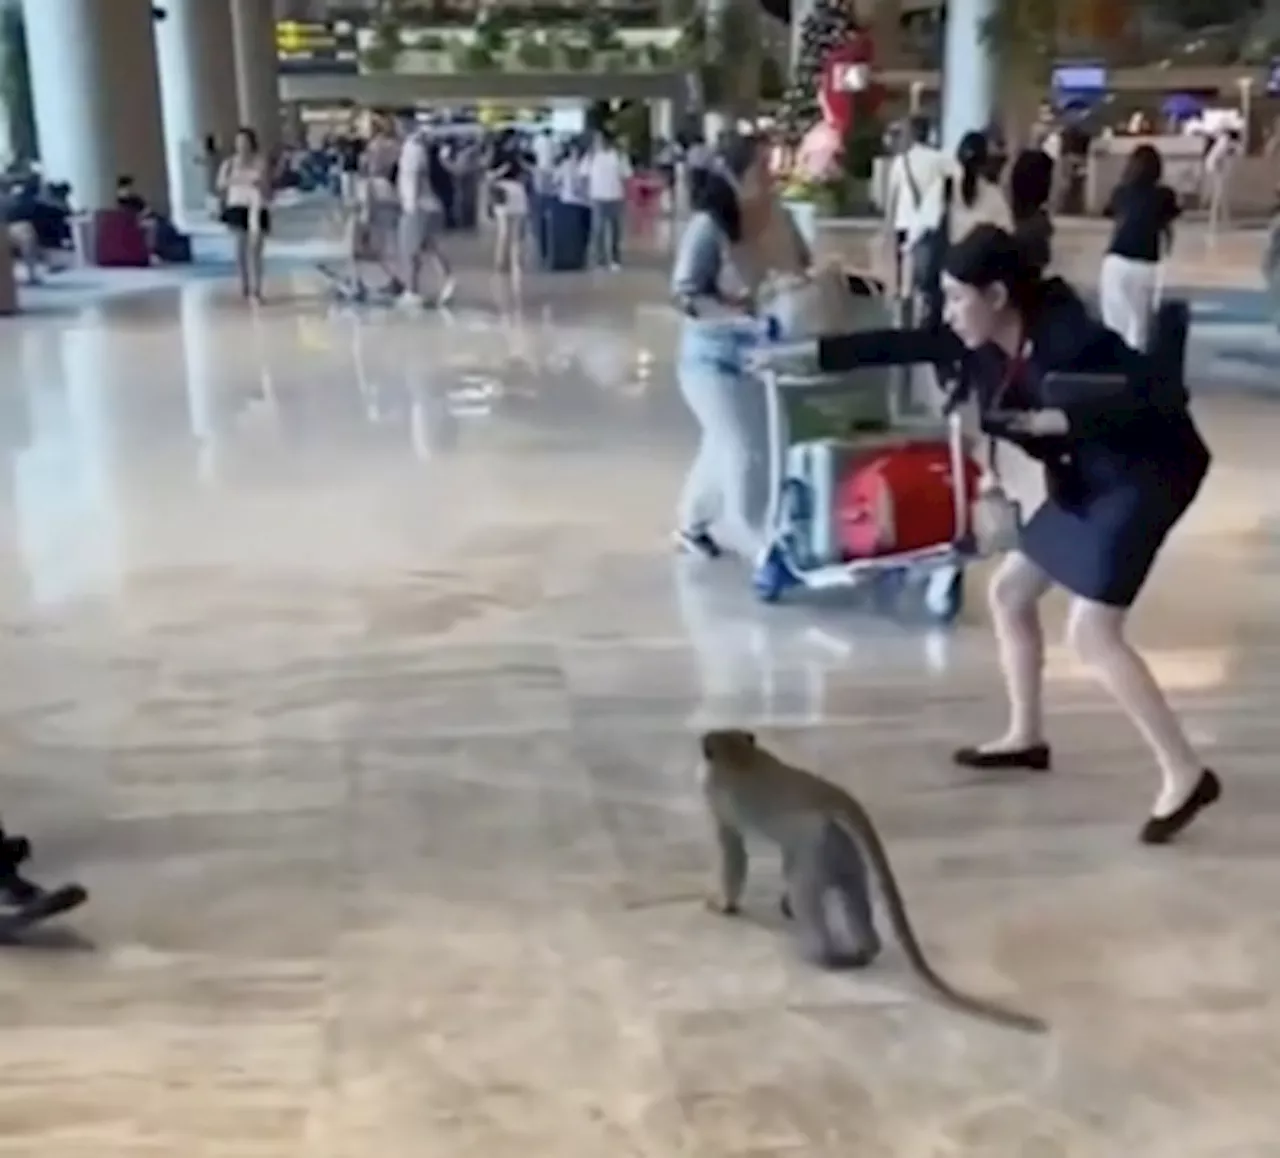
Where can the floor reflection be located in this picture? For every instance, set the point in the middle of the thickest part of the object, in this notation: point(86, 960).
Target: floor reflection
point(347, 659)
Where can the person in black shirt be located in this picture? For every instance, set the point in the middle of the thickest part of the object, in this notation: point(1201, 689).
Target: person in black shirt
point(1030, 188)
point(1144, 210)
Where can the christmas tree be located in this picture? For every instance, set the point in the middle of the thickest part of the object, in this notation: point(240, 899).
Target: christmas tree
point(828, 25)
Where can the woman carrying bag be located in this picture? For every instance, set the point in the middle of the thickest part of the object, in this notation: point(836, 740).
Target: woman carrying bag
point(1122, 458)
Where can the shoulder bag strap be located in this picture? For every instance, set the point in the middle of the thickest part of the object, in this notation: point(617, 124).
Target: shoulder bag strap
point(912, 185)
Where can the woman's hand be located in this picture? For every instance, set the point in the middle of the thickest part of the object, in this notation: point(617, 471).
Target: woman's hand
point(1038, 423)
point(783, 357)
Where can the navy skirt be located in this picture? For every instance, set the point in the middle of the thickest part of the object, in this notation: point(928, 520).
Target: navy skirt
point(1105, 520)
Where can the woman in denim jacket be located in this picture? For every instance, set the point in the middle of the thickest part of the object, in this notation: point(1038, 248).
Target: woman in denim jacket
point(721, 263)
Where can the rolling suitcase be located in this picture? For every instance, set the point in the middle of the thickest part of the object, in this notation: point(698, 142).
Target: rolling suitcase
point(120, 240)
point(814, 469)
point(901, 499)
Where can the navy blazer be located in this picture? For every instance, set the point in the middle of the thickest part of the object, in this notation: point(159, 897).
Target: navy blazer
point(1142, 434)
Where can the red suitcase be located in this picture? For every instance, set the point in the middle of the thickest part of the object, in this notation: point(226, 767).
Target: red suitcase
point(119, 240)
point(900, 499)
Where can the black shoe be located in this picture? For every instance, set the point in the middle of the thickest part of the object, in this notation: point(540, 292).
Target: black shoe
point(21, 909)
point(1162, 829)
point(14, 851)
point(699, 543)
point(1036, 758)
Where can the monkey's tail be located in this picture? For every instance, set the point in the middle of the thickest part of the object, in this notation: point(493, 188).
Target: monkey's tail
point(863, 830)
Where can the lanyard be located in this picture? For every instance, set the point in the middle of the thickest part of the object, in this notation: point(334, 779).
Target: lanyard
point(1016, 367)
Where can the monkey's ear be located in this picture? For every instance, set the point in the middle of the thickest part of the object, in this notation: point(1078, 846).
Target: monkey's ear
point(725, 742)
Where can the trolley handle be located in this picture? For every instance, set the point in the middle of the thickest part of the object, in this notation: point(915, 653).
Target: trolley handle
point(955, 392)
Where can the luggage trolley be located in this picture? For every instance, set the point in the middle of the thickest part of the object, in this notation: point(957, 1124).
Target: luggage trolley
point(934, 575)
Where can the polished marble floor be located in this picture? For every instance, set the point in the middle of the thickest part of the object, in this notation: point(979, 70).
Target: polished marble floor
point(346, 661)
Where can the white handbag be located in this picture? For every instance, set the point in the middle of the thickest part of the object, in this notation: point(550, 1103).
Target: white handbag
point(821, 305)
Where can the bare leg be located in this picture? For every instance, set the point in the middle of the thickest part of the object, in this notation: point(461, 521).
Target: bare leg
point(1096, 632)
point(242, 262)
point(257, 246)
point(519, 231)
point(1016, 590)
point(444, 271)
point(501, 243)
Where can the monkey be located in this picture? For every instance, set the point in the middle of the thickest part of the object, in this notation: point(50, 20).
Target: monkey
point(822, 832)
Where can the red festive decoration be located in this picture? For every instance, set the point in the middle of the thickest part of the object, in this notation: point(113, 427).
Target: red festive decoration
point(848, 88)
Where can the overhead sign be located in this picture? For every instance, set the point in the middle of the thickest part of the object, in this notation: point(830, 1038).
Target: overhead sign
point(315, 46)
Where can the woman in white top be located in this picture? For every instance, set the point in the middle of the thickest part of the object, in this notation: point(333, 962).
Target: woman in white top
point(974, 198)
point(244, 187)
point(962, 196)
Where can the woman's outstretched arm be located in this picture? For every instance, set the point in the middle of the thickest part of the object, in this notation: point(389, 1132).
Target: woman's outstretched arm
point(937, 347)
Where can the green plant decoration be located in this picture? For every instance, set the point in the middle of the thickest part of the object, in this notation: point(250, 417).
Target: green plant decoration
point(602, 33)
point(773, 80)
point(534, 53)
point(577, 57)
point(473, 57)
point(1023, 36)
point(388, 40)
point(492, 33)
point(15, 83)
point(863, 143)
point(657, 56)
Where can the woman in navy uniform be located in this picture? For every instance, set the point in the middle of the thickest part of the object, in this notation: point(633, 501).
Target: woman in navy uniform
point(1122, 463)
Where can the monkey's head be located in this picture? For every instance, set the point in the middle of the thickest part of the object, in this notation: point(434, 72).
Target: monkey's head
point(728, 744)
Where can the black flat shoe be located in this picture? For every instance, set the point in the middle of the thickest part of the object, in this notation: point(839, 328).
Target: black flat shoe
point(1036, 758)
point(1162, 829)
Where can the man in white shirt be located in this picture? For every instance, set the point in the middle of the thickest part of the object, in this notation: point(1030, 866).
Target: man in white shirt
point(607, 170)
point(912, 174)
point(421, 216)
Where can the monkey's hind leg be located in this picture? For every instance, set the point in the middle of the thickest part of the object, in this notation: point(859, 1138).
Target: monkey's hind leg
point(731, 866)
point(828, 896)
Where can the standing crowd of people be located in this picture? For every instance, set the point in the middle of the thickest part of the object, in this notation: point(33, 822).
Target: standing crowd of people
point(413, 183)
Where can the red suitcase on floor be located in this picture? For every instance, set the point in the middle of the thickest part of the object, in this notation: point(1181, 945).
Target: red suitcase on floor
point(900, 499)
point(120, 240)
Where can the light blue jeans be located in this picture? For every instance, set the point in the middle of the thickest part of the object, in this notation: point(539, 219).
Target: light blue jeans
point(722, 492)
point(606, 232)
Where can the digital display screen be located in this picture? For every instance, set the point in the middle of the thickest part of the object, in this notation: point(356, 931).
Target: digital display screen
point(313, 46)
point(1080, 78)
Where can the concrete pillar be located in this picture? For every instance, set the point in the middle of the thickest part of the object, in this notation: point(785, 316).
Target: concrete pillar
point(96, 91)
point(257, 71)
point(198, 86)
point(968, 71)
